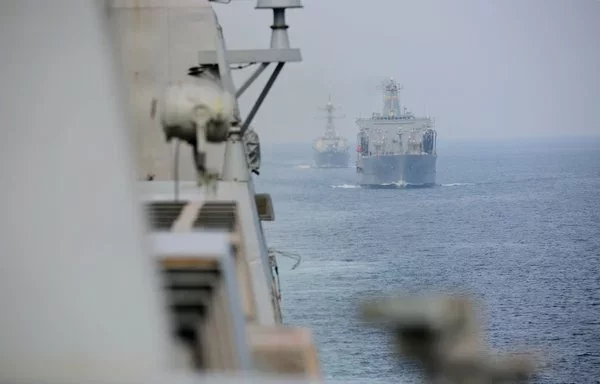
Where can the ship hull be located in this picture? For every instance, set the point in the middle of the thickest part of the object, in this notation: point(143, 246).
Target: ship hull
point(331, 159)
point(397, 171)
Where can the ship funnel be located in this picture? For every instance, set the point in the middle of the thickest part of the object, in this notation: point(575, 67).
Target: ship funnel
point(279, 35)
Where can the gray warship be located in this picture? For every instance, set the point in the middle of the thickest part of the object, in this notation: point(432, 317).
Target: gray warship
point(331, 150)
point(395, 148)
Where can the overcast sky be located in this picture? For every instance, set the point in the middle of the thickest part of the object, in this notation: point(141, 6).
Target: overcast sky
point(482, 68)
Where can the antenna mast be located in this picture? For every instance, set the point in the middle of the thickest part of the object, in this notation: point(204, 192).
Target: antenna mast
point(391, 98)
point(330, 116)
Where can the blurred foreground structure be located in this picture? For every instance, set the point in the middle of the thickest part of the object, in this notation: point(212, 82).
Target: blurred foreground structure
point(445, 337)
point(96, 287)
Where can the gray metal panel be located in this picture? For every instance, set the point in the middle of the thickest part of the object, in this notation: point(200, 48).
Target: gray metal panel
point(238, 319)
point(157, 42)
point(165, 191)
point(271, 312)
point(214, 243)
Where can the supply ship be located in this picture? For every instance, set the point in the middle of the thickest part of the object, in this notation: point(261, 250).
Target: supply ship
point(331, 150)
point(396, 148)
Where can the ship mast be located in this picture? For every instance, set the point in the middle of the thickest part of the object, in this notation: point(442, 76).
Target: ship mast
point(330, 116)
point(391, 98)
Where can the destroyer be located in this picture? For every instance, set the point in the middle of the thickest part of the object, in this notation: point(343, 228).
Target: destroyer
point(331, 149)
point(396, 148)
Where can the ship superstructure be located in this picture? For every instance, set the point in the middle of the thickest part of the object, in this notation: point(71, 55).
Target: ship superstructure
point(331, 149)
point(395, 147)
point(221, 278)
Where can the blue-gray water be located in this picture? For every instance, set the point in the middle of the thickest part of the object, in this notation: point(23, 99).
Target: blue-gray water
point(515, 224)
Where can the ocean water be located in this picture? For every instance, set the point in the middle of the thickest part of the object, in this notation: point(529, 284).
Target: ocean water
point(515, 225)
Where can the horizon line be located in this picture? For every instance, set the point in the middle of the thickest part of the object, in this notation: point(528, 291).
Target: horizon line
point(582, 136)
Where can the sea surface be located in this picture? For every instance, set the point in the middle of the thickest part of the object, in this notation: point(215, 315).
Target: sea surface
point(514, 224)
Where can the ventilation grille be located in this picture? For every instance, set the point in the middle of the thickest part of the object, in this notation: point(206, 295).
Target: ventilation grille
point(162, 214)
point(217, 215)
